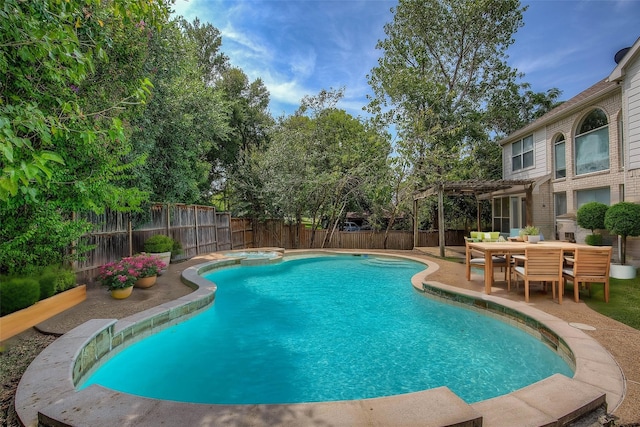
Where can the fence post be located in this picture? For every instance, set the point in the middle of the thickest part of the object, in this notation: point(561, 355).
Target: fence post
point(215, 227)
point(130, 233)
point(195, 220)
point(168, 220)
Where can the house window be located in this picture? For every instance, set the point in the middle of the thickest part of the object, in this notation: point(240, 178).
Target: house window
point(501, 214)
point(560, 203)
point(522, 153)
point(602, 195)
point(621, 140)
point(559, 158)
point(592, 144)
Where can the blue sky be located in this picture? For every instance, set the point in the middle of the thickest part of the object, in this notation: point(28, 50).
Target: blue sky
point(298, 47)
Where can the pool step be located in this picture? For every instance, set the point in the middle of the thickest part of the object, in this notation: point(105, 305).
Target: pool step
point(386, 262)
point(97, 406)
point(554, 401)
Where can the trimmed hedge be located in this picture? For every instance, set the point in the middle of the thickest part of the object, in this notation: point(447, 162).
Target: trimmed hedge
point(47, 285)
point(158, 243)
point(18, 293)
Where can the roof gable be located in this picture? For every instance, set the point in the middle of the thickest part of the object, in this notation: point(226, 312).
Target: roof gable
point(585, 97)
point(629, 57)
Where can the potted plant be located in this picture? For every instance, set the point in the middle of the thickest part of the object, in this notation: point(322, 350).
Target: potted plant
point(119, 277)
point(591, 216)
point(162, 247)
point(623, 219)
point(147, 268)
point(530, 234)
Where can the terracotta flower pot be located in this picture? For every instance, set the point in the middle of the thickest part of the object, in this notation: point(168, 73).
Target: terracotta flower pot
point(146, 282)
point(121, 293)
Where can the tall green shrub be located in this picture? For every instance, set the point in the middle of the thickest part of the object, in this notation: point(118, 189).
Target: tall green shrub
point(591, 216)
point(158, 243)
point(47, 283)
point(623, 219)
point(18, 293)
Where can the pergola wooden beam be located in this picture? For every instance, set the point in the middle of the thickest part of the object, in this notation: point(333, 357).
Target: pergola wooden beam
point(476, 188)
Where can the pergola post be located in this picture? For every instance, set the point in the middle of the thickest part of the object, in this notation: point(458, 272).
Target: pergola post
point(478, 215)
point(441, 236)
point(415, 223)
point(528, 201)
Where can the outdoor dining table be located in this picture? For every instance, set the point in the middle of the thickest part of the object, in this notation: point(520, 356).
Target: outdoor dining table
point(491, 249)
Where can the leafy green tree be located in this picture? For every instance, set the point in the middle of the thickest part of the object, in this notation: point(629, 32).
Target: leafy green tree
point(319, 163)
point(249, 123)
point(441, 63)
point(591, 216)
point(517, 105)
point(623, 219)
point(208, 41)
point(182, 122)
point(64, 144)
point(47, 50)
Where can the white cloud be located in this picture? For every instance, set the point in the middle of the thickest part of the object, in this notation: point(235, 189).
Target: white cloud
point(303, 64)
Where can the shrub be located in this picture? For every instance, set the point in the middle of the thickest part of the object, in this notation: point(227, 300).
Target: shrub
point(47, 283)
point(591, 216)
point(593, 239)
point(18, 293)
point(159, 243)
point(623, 219)
point(65, 278)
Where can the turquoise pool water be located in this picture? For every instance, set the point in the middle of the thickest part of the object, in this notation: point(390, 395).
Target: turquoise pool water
point(327, 328)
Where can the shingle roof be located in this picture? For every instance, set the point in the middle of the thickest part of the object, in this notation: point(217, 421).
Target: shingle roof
point(599, 89)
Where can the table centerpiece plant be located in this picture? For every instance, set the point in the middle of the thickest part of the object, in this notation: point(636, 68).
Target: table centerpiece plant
point(530, 234)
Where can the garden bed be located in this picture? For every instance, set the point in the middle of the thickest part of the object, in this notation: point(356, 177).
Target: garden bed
point(14, 323)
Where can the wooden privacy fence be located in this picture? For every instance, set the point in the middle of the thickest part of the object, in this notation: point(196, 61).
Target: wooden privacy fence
point(199, 229)
point(278, 234)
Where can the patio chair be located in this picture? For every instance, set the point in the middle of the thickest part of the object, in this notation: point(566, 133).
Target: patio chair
point(541, 264)
point(590, 265)
point(477, 260)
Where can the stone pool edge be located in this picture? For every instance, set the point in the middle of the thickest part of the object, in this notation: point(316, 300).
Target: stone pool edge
point(47, 395)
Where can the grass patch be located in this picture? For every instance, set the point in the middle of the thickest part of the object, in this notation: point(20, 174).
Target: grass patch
point(624, 300)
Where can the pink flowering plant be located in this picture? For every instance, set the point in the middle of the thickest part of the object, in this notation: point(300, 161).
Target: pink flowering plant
point(117, 275)
point(124, 273)
point(145, 265)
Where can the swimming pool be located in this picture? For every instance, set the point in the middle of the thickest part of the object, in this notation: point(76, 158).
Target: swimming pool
point(269, 340)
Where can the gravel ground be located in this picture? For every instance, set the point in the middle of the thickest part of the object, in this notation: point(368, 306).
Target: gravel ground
point(17, 353)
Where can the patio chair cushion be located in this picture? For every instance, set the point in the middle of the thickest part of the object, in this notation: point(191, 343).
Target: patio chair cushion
point(496, 260)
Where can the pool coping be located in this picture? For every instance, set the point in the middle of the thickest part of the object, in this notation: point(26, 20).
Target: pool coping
point(47, 395)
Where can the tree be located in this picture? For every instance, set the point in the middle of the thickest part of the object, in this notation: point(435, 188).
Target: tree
point(591, 216)
point(623, 219)
point(208, 40)
point(184, 120)
point(47, 50)
point(517, 106)
point(442, 62)
point(64, 143)
point(319, 163)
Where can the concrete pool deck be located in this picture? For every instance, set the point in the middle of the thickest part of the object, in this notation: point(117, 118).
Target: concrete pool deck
point(544, 403)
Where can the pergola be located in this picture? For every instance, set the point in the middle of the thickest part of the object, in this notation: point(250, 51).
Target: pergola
point(480, 189)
